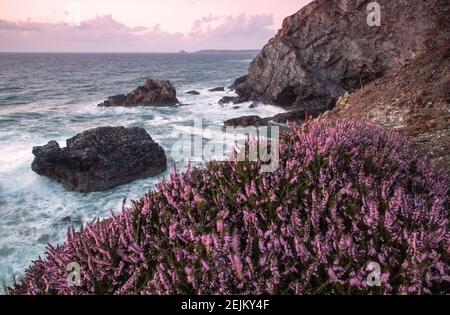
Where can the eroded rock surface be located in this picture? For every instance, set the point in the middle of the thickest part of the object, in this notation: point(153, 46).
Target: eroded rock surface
point(152, 93)
point(100, 159)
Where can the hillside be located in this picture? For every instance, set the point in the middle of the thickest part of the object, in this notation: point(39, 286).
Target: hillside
point(414, 100)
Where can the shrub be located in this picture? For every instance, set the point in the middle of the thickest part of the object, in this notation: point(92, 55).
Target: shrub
point(346, 194)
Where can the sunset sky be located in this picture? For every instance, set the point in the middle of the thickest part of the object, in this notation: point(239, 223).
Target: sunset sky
point(139, 25)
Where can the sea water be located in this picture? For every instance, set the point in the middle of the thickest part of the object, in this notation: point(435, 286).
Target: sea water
point(47, 97)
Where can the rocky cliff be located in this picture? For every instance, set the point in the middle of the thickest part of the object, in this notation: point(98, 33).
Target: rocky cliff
point(328, 48)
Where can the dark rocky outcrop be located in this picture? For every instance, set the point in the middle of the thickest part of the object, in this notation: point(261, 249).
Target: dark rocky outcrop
point(247, 121)
point(152, 93)
point(413, 100)
point(100, 159)
point(328, 48)
point(229, 99)
point(193, 92)
point(217, 89)
point(295, 116)
point(238, 81)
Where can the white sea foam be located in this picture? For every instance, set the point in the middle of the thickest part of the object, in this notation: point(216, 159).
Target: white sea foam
point(34, 210)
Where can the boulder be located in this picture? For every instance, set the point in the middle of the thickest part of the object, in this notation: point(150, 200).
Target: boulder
point(100, 159)
point(229, 99)
point(328, 48)
point(247, 121)
point(193, 92)
point(217, 89)
point(152, 93)
point(295, 116)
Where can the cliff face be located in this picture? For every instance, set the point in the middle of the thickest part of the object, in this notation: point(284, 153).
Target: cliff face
point(413, 100)
point(327, 48)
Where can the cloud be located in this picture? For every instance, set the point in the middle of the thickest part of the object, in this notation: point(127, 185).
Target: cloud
point(22, 26)
point(233, 32)
point(103, 33)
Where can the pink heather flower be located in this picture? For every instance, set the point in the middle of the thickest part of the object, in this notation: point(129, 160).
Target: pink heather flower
point(207, 241)
point(355, 282)
point(205, 265)
point(238, 266)
point(172, 230)
point(190, 275)
point(219, 226)
point(346, 193)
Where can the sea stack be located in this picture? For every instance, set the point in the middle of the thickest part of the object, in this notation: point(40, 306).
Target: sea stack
point(100, 159)
point(152, 93)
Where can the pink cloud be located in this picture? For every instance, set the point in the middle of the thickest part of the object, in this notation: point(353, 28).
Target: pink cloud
point(174, 15)
point(103, 33)
point(233, 32)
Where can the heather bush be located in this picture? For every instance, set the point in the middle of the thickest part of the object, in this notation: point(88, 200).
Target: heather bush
point(346, 194)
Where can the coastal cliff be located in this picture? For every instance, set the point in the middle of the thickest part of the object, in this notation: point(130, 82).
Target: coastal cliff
point(348, 193)
point(327, 49)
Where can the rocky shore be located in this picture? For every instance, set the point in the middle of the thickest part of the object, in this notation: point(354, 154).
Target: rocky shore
point(326, 56)
point(351, 189)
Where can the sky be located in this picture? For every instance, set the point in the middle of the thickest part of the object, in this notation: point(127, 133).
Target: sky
point(140, 25)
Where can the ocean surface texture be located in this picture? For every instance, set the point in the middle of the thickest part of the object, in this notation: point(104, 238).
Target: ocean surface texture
point(54, 96)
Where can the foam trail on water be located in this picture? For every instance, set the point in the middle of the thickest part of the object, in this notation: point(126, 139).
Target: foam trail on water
point(34, 210)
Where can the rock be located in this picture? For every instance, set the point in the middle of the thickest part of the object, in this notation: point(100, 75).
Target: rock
point(116, 100)
point(66, 220)
point(229, 99)
point(413, 100)
point(246, 121)
point(193, 92)
point(328, 48)
point(217, 89)
point(253, 105)
point(100, 159)
point(237, 82)
point(51, 151)
point(296, 116)
point(152, 93)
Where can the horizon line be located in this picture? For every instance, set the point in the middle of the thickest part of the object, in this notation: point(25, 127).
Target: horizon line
point(133, 52)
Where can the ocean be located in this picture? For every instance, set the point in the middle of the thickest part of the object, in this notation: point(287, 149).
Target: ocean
point(47, 97)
